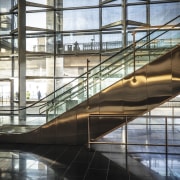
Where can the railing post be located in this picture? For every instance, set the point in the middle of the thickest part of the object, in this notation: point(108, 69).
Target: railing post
point(172, 119)
point(134, 58)
point(89, 138)
point(87, 86)
point(46, 116)
point(126, 141)
point(166, 136)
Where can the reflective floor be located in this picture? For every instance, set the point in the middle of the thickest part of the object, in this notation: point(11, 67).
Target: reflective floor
point(23, 162)
point(53, 162)
point(102, 162)
point(145, 162)
point(152, 154)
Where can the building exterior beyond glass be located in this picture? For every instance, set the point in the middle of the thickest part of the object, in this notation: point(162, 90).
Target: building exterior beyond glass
point(44, 44)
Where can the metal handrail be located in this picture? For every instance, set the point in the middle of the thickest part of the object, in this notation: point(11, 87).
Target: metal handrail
point(129, 47)
point(84, 74)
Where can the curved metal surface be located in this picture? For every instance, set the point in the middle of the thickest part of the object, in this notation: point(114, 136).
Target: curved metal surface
point(136, 94)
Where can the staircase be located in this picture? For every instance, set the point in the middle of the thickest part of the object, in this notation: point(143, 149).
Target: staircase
point(133, 81)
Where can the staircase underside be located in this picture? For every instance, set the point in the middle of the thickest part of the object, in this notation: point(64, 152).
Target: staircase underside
point(154, 84)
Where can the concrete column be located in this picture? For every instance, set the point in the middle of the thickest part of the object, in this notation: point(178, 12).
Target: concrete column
point(22, 57)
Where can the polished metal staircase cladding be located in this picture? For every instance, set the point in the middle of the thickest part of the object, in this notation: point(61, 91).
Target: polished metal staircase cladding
point(134, 93)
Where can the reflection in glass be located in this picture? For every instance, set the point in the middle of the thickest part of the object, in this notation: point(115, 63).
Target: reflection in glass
point(24, 165)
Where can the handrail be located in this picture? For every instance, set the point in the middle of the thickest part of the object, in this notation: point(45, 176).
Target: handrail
point(139, 40)
point(99, 65)
point(84, 74)
point(130, 115)
point(126, 49)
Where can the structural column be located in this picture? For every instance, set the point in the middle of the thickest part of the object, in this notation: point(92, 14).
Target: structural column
point(124, 25)
point(22, 57)
point(124, 28)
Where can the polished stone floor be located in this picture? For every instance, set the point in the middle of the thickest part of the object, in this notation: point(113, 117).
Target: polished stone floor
point(55, 162)
point(102, 162)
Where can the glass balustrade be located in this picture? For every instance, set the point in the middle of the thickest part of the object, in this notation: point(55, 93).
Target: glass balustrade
point(125, 62)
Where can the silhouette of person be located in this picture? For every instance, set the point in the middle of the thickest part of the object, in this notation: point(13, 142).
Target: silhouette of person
point(39, 95)
point(76, 46)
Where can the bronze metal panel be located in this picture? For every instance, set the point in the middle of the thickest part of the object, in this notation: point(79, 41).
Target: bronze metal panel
point(135, 92)
point(66, 128)
point(111, 99)
point(159, 78)
point(176, 71)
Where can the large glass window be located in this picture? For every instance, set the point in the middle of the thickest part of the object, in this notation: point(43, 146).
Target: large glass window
point(81, 19)
point(111, 15)
point(44, 20)
point(43, 2)
point(5, 68)
point(134, 1)
point(5, 46)
point(40, 43)
point(165, 12)
point(5, 24)
point(36, 66)
point(15, 21)
point(5, 6)
point(79, 3)
point(60, 39)
point(137, 13)
point(111, 40)
point(81, 42)
point(111, 2)
point(36, 89)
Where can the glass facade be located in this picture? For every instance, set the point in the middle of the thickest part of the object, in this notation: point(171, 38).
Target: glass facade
point(61, 35)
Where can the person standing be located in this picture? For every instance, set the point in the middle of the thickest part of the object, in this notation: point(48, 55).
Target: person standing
point(39, 94)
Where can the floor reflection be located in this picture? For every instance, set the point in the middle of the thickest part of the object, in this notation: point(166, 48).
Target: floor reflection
point(165, 165)
point(154, 165)
point(102, 162)
point(21, 165)
point(55, 162)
